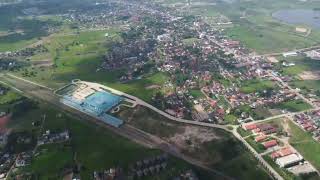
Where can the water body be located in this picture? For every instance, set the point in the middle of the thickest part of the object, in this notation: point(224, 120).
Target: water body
point(299, 16)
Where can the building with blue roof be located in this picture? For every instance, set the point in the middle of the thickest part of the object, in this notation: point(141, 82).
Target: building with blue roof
point(96, 104)
point(100, 102)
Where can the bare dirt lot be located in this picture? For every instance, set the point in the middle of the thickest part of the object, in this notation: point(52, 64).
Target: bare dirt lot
point(193, 137)
point(310, 75)
point(272, 59)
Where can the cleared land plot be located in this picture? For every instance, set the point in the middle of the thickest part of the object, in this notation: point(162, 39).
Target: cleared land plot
point(310, 75)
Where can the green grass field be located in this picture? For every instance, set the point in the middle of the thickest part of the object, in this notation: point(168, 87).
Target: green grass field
point(60, 155)
point(305, 144)
point(231, 119)
point(302, 63)
point(243, 132)
point(196, 93)
point(263, 40)
point(9, 97)
point(293, 105)
point(255, 85)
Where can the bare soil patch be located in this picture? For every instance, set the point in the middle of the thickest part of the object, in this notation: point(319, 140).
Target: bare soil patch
point(43, 63)
point(193, 137)
point(310, 75)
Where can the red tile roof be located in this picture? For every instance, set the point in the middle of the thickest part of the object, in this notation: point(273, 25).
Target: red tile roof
point(260, 138)
point(270, 143)
point(250, 127)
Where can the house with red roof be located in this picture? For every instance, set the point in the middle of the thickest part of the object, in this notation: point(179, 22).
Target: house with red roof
point(270, 144)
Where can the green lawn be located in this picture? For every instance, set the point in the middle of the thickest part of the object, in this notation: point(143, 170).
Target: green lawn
point(305, 144)
point(255, 85)
point(264, 40)
point(231, 119)
point(294, 70)
point(302, 63)
point(308, 86)
point(293, 105)
point(196, 93)
point(243, 132)
point(190, 41)
point(9, 97)
point(60, 155)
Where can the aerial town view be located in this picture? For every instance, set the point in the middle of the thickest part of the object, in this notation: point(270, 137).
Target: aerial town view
point(159, 89)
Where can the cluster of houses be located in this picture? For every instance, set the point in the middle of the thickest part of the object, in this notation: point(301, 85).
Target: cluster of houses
point(145, 168)
point(255, 99)
point(23, 159)
point(108, 174)
point(262, 132)
point(6, 162)
point(48, 137)
point(196, 62)
point(282, 154)
point(150, 166)
point(129, 55)
point(27, 52)
point(189, 50)
point(101, 15)
point(310, 122)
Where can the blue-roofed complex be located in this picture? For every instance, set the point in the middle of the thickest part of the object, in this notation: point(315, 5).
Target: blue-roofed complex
point(96, 104)
point(100, 102)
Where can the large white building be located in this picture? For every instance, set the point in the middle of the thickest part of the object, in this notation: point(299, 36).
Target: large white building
point(289, 160)
point(289, 54)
